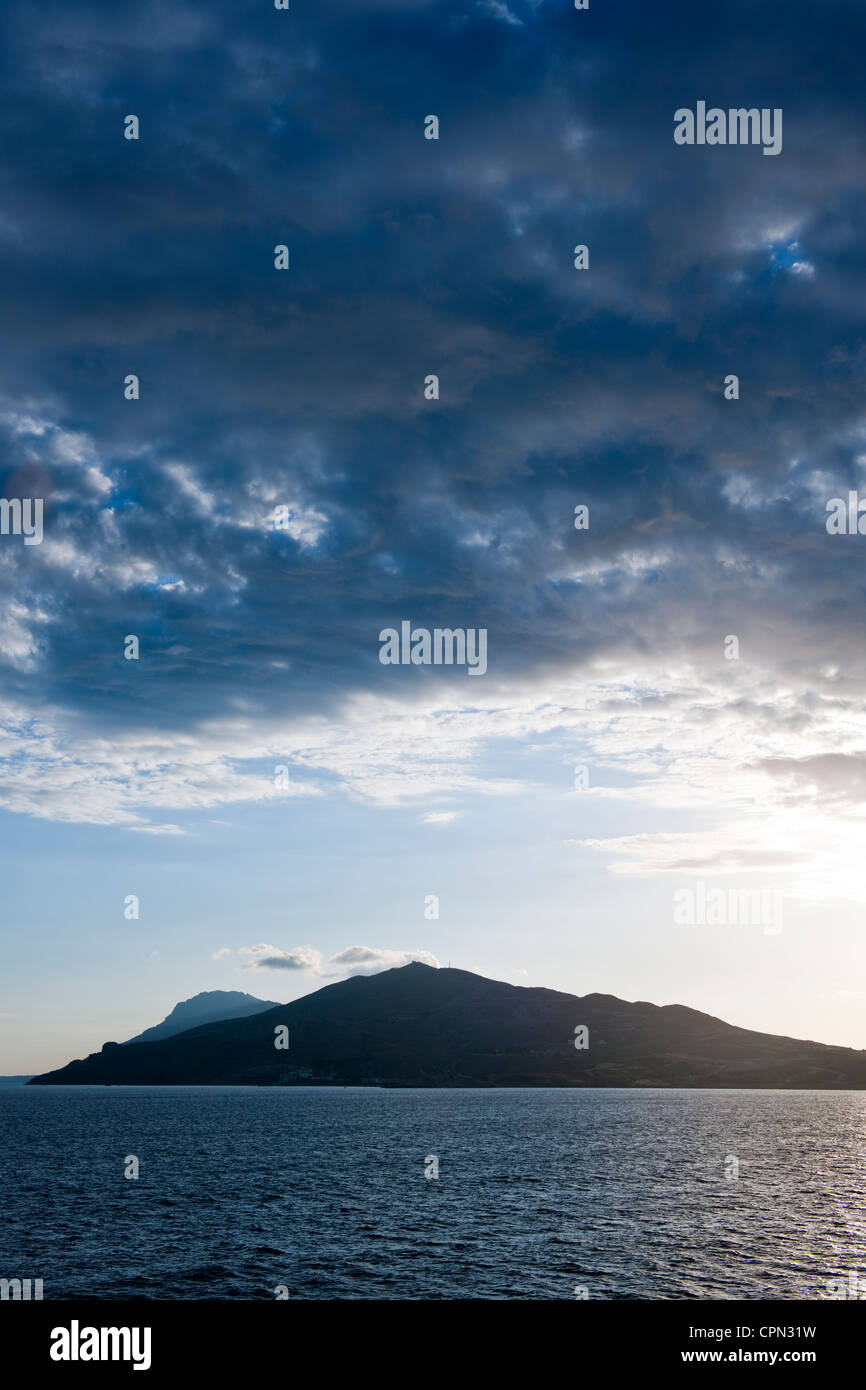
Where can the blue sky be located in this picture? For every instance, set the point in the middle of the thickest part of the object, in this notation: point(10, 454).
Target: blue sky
point(304, 389)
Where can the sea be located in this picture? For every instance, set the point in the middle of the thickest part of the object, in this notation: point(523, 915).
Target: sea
point(366, 1193)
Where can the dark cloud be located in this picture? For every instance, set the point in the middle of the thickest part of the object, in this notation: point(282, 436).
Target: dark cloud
point(409, 257)
point(834, 781)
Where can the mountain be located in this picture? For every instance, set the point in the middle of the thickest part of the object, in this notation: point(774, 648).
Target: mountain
point(14, 1080)
point(209, 1007)
point(418, 1026)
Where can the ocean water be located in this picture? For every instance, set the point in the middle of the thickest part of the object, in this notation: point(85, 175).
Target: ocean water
point(539, 1193)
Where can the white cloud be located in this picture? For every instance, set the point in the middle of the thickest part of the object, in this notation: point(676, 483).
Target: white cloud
point(266, 957)
point(187, 483)
point(699, 852)
point(354, 960)
point(771, 759)
point(501, 11)
point(371, 960)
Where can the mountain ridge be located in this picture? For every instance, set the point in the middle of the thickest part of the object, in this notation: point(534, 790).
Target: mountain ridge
point(208, 1006)
point(418, 1026)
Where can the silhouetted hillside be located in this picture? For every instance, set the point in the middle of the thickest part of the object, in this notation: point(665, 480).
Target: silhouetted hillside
point(212, 1006)
point(417, 1026)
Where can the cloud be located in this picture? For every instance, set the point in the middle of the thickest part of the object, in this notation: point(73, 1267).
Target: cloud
point(304, 391)
point(768, 759)
point(354, 960)
point(370, 960)
point(167, 829)
point(830, 781)
point(696, 852)
point(273, 958)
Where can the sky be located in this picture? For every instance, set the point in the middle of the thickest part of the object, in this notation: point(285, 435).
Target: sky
point(286, 809)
